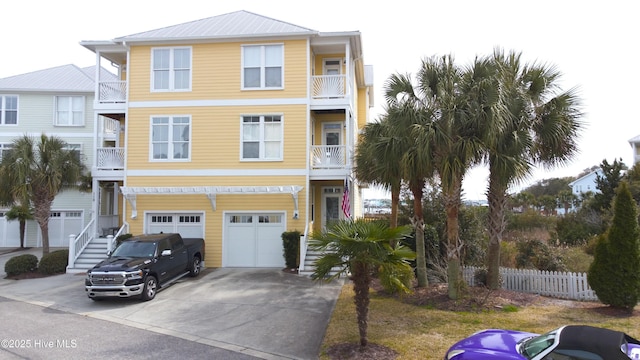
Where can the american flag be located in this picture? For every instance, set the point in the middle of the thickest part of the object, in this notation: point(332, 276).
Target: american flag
point(346, 206)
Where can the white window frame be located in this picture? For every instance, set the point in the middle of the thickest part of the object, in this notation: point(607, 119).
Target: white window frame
point(170, 142)
point(69, 111)
point(261, 137)
point(262, 66)
point(74, 146)
point(5, 147)
point(171, 69)
point(3, 109)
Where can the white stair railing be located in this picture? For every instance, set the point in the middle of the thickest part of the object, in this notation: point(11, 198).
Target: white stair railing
point(111, 239)
point(78, 243)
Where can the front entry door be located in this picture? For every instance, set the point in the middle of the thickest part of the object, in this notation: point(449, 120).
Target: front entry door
point(331, 205)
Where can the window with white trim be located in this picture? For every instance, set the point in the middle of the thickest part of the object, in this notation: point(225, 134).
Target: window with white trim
point(262, 66)
point(262, 137)
point(76, 148)
point(171, 69)
point(69, 111)
point(4, 150)
point(170, 137)
point(8, 110)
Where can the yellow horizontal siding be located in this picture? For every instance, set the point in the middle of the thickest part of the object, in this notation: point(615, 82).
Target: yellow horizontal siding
point(216, 73)
point(214, 220)
point(216, 139)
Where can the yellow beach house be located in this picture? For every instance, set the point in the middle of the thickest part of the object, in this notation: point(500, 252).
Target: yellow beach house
point(233, 128)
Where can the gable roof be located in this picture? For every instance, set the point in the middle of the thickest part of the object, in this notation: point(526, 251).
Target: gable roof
point(231, 25)
point(68, 78)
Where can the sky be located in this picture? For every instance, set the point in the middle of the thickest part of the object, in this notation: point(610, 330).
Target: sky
point(595, 45)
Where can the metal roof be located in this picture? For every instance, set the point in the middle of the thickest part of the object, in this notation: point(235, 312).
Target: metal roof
point(232, 25)
point(68, 78)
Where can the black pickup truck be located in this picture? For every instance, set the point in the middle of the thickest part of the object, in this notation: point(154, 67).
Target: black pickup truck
point(143, 264)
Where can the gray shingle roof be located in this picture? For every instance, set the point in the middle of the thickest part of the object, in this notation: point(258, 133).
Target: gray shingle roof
point(68, 78)
point(231, 25)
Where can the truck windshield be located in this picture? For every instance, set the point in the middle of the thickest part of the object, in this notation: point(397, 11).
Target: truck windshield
point(135, 249)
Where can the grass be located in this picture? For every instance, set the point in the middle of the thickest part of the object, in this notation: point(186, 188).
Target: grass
point(420, 332)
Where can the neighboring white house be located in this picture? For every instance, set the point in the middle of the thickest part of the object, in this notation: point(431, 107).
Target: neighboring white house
point(56, 101)
point(585, 184)
point(635, 145)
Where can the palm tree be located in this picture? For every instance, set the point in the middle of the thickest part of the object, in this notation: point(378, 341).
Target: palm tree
point(35, 170)
point(412, 121)
point(460, 96)
point(21, 213)
point(536, 125)
point(359, 249)
point(378, 160)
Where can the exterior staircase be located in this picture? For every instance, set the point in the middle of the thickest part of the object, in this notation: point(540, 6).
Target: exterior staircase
point(309, 263)
point(95, 252)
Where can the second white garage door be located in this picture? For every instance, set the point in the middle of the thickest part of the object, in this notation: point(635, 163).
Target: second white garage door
point(253, 240)
point(188, 225)
point(9, 232)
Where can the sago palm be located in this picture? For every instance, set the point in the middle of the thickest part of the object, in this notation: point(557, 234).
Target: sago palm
point(359, 249)
point(36, 170)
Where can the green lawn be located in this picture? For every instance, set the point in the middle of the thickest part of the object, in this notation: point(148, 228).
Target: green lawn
point(420, 332)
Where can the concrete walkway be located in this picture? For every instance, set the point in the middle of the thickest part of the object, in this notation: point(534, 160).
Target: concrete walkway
point(264, 313)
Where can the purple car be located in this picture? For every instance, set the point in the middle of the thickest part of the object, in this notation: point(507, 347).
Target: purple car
point(571, 342)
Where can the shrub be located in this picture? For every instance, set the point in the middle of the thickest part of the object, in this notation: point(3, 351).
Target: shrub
point(574, 229)
point(480, 277)
point(534, 254)
point(291, 246)
point(614, 274)
point(54, 262)
point(21, 264)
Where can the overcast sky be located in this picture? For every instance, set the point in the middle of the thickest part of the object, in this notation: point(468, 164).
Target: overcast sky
point(594, 44)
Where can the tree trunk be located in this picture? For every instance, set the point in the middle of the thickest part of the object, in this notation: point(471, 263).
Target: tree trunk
point(418, 223)
point(395, 200)
point(361, 282)
point(23, 226)
point(497, 200)
point(452, 207)
point(42, 212)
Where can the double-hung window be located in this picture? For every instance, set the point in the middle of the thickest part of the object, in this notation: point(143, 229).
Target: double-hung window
point(76, 148)
point(262, 66)
point(69, 111)
point(8, 110)
point(4, 150)
point(170, 138)
point(262, 137)
point(171, 69)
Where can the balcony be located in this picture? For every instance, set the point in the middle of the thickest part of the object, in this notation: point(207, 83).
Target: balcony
point(329, 91)
point(329, 161)
point(111, 97)
point(110, 158)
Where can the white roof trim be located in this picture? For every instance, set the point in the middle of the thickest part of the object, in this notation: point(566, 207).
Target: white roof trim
point(130, 193)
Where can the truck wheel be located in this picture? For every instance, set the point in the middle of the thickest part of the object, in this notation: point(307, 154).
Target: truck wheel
point(150, 288)
point(194, 270)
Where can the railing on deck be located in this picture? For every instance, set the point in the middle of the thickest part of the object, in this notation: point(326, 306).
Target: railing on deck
point(110, 158)
point(78, 243)
point(329, 87)
point(112, 91)
point(328, 156)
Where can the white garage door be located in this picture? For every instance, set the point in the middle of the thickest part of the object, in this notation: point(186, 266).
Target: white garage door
point(254, 240)
point(9, 232)
point(188, 225)
point(63, 223)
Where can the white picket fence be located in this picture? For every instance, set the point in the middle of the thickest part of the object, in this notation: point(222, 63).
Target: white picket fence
point(563, 285)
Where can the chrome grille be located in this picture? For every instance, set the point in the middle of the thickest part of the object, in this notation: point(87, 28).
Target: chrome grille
point(107, 279)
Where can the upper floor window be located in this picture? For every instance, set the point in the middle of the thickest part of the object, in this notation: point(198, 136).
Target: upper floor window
point(69, 111)
point(170, 137)
point(171, 69)
point(76, 148)
point(8, 110)
point(262, 137)
point(262, 66)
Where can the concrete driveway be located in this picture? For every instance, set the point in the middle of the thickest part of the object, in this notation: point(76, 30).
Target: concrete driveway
point(264, 313)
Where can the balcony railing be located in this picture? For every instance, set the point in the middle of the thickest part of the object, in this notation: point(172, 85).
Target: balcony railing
point(110, 127)
point(110, 158)
point(328, 157)
point(112, 92)
point(329, 87)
